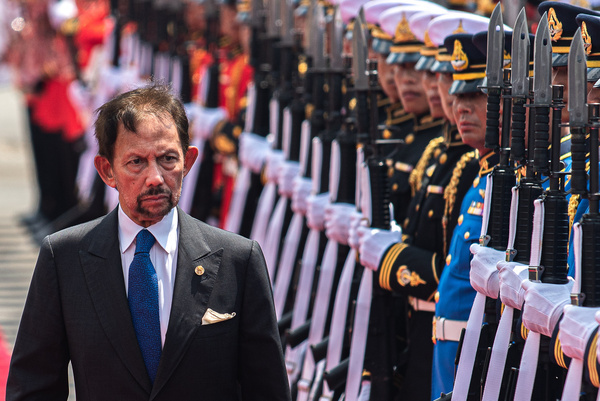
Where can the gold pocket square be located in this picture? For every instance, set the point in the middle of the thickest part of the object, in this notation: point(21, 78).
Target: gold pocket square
point(211, 316)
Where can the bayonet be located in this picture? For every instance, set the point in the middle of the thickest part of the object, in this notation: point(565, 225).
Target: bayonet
point(520, 85)
point(578, 116)
point(520, 57)
point(542, 62)
point(336, 43)
point(494, 75)
point(495, 56)
point(287, 23)
point(542, 81)
point(359, 55)
point(317, 37)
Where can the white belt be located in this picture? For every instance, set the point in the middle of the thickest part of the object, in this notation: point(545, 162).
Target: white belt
point(448, 330)
point(421, 305)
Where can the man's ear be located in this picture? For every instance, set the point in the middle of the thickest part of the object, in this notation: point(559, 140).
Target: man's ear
point(105, 170)
point(190, 157)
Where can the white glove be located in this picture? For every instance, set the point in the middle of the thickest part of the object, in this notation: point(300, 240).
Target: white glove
point(274, 160)
point(356, 220)
point(544, 304)
point(511, 275)
point(373, 243)
point(288, 170)
point(61, 11)
point(315, 211)
point(484, 274)
point(205, 121)
point(337, 221)
point(253, 150)
point(301, 192)
point(576, 328)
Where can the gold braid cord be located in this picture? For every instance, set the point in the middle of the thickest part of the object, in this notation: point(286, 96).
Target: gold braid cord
point(416, 176)
point(450, 192)
point(572, 209)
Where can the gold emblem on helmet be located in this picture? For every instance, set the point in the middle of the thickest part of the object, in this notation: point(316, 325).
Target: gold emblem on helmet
point(460, 28)
point(403, 32)
point(459, 59)
point(554, 25)
point(427, 40)
point(587, 39)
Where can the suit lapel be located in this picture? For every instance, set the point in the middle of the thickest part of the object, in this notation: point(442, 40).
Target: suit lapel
point(101, 263)
point(190, 294)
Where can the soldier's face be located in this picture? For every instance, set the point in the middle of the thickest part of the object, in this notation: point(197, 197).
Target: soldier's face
point(470, 115)
point(410, 90)
point(430, 85)
point(444, 83)
point(385, 74)
point(228, 21)
point(147, 169)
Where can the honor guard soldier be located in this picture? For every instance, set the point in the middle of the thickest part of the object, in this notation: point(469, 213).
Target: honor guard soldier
point(411, 266)
point(455, 294)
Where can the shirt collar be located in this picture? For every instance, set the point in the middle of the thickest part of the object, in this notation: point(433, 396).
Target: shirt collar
point(165, 231)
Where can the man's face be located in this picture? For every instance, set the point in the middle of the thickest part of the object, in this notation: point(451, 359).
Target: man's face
point(147, 169)
point(470, 115)
point(430, 86)
point(410, 90)
point(444, 83)
point(385, 74)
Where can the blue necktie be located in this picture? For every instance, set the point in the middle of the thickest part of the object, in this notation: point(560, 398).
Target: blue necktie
point(143, 302)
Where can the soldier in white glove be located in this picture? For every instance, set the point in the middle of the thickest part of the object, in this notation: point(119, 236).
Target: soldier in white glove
point(253, 151)
point(544, 305)
point(337, 221)
point(484, 274)
point(315, 211)
point(300, 193)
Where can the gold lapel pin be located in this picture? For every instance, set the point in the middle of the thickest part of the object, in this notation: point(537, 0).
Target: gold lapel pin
point(199, 270)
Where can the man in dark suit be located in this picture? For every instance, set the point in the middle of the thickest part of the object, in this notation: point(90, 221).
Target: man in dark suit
point(148, 303)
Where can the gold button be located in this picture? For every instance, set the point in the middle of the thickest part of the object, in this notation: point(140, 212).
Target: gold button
point(417, 208)
point(448, 259)
point(430, 214)
point(395, 187)
point(406, 221)
point(387, 134)
point(390, 172)
point(436, 297)
point(199, 270)
point(437, 152)
point(476, 182)
point(443, 158)
point(410, 138)
point(460, 219)
point(467, 235)
point(389, 162)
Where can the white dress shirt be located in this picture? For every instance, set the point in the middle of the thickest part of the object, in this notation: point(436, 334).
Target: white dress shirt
point(163, 255)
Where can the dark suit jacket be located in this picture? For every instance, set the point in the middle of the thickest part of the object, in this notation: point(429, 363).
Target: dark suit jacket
point(77, 311)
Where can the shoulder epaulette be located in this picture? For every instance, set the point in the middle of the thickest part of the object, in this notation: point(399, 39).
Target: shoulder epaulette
point(416, 176)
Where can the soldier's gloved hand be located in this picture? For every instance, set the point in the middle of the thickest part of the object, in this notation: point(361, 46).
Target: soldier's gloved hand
point(206, 120)
point(373, 244)
point(61, 11)
point(274, 159)
point(355, 221)
point(484, 274)
point(544, 304)
point(253, 150)
point(576, 328)
point(301, 192)
point(315, 211)
point(288, 170)
point(337, 221)
point(511, 275)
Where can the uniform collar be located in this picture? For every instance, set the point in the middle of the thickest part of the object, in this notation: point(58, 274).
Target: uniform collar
point(487, 162)
point(451, 135)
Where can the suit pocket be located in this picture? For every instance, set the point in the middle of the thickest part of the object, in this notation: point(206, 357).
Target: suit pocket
point(212, 317)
